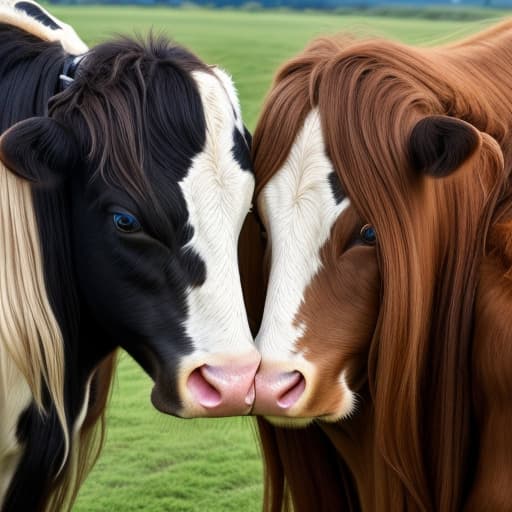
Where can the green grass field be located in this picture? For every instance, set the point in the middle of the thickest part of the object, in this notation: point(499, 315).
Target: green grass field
point(151, 462)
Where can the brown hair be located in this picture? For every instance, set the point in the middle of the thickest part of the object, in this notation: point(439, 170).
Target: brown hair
point(371, 96)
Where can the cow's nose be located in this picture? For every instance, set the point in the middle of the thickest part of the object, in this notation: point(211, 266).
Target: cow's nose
point(224, 390)
point(276, 393)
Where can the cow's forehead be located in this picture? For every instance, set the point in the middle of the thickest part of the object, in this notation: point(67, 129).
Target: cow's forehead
point(307, 177)
point(220, 101)
point(218, 187)
point(299, 206)
point(197, 162)
point(226, 155)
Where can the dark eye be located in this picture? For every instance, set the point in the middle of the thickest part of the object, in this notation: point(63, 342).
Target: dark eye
point(368, 234)
point(126, 223)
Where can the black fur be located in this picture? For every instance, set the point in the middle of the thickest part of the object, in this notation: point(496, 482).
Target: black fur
point(29, 74)
point(248, 138)
point(34, 11)
point(336, 187)
point(241, 151)
point(49, 152)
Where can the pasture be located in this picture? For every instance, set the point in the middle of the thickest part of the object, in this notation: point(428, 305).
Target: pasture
point(155, 463)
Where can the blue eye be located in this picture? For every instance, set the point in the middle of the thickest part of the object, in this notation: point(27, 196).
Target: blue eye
point(368, 234)
point(126, 223)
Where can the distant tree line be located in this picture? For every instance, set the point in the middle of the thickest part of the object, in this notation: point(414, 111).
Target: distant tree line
point(433, 9)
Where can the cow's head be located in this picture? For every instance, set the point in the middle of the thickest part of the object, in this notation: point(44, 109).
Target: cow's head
point(149, 147)
point(375, 202)
point(323, 288)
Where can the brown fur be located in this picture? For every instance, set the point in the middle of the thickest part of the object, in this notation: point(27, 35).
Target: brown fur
point(436, 394)
point(339, 311)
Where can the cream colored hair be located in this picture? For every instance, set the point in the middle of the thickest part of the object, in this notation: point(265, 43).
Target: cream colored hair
point(29, 331)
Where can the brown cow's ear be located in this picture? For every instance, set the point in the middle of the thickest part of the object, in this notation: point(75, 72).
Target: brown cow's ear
point(439, 145)
point(40, 150)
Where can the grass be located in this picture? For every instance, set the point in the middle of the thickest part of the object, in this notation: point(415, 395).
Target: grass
point(155, 463)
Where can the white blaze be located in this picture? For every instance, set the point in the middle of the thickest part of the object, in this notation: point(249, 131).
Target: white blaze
point(299, 210)
point(218, 194)
point(230, 90)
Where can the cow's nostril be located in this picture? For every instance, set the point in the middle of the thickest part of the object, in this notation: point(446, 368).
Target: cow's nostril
point(224, 389)
point(293, 389)
point(206, 394)
point(278, 392)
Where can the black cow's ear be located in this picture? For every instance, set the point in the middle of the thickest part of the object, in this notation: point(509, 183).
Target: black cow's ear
point(439, 145)
point(39, 149)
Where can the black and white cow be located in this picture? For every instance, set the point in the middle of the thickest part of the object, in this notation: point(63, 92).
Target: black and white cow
point(124, 181)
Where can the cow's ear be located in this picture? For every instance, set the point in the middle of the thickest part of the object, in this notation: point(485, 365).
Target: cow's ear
point(439, 145)
point(40, 150)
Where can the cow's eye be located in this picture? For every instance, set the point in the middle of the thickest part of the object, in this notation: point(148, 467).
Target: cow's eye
point(126, 222)
point(368, 234)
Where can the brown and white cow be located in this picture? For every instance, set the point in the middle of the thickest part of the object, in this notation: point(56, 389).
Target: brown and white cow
point(383, 182)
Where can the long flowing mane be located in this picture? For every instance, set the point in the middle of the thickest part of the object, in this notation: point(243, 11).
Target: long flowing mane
point(37, 341)
point(433, 237)
point(31, 336)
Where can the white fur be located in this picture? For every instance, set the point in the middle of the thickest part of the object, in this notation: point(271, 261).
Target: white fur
point(299, 210)
point(218, 195)
point(229, 87)
point(348, 405)
point(67, 36)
